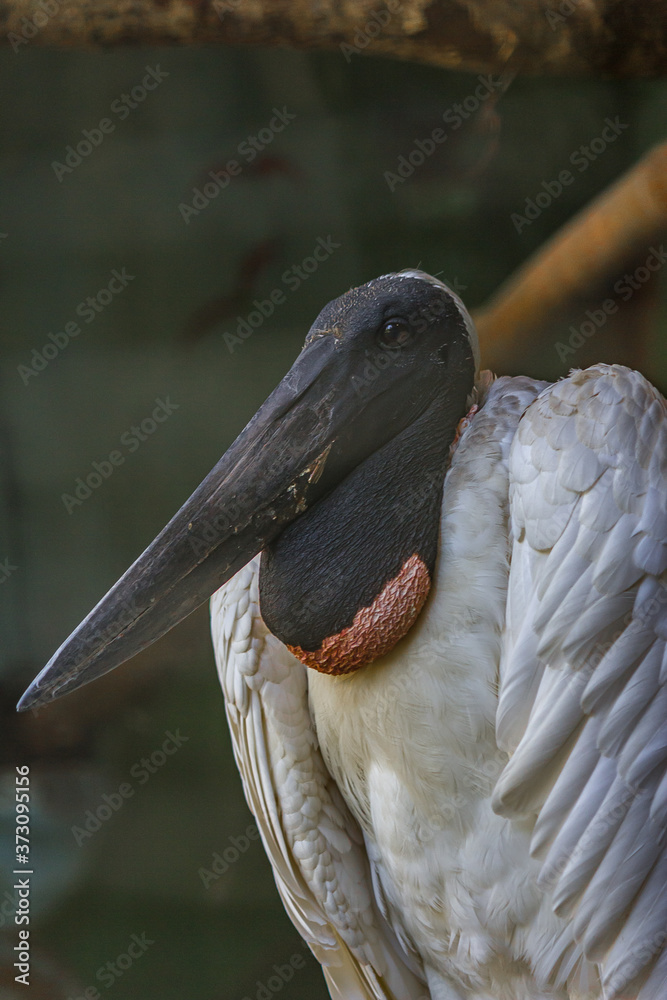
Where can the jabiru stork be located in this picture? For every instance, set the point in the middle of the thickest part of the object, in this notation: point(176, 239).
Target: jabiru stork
point(439, 619)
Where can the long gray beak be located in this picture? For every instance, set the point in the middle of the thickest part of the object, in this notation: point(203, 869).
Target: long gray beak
point(311, 431)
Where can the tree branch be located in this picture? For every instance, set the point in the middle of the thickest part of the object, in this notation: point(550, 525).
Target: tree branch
point(620, 222)
point(616, 38)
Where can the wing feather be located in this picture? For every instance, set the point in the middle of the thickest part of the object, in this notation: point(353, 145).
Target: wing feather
point(313, 843)
point(583, 684)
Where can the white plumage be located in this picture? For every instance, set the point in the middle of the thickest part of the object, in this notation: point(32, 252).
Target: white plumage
point(481, 813)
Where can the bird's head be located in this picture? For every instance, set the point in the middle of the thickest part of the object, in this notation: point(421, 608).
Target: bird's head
point(337, 480)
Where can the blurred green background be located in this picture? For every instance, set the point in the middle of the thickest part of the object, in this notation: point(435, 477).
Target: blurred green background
point(163, 337)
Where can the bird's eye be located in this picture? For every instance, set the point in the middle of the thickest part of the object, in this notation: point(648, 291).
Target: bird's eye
point(394, 334)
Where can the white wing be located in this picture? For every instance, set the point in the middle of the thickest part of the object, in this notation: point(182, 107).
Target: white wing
point(314, 844)
point(583, 686)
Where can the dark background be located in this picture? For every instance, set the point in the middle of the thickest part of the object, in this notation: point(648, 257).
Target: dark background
point(163, 336)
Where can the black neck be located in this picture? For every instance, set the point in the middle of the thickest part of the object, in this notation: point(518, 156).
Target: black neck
point(338, 556)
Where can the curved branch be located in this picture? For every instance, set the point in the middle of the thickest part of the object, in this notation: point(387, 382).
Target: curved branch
point(621, 221)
